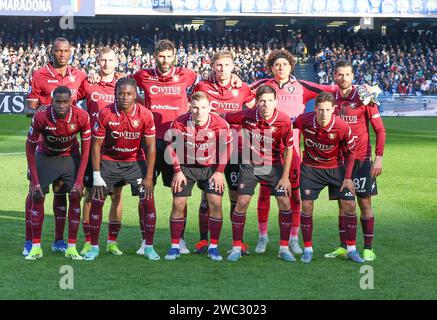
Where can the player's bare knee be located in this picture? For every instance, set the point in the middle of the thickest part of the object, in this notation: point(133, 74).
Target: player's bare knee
point(365, 205)
point(348, 207)
point(307, 207)
point(283, 203)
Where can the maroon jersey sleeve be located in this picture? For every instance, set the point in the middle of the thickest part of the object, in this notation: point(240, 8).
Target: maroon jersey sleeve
point(137, 77)
point(81, 91)
point(349, 142)
point(225, 139)
point(35, 89)
point(248, 93)
point(311, 89)
point(378, 127)
point(149, 124)
point(191, 77)
point(287, 137)
point(298, 122)
point(175, 130)
point(99, 130)
point(235, 117)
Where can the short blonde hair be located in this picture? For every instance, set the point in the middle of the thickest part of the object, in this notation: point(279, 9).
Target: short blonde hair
point(222, 54)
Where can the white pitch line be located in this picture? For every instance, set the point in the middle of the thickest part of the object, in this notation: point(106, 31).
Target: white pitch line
point(11, 153)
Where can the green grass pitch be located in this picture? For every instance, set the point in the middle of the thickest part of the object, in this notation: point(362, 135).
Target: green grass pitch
point(405, 239)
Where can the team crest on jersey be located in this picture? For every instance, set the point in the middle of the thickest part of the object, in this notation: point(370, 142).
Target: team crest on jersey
point(73, 126)
point(331, 136)
point(291, 89)
point(235, 93)
point(273, 129)
point(135, 123)
point(72, 78)
point(175, 78)
point(353, 105)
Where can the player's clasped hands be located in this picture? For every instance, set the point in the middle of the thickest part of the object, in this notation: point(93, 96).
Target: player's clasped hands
point(178, 182)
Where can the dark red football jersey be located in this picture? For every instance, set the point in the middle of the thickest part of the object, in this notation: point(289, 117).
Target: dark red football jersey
point(201, 144)
point(123, 133)
point(323, 145)
point(266, 138)
point(59, 136)
point(46, 79)
point(293, 96)
point(98, 96)
point(165, 96)
point(226, 99)
point(358, 116)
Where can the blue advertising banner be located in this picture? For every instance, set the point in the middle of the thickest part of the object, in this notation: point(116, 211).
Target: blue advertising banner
point(47, 8)
point(340, 7)
point(12, 102)
point(176, 7)
point(346, 8)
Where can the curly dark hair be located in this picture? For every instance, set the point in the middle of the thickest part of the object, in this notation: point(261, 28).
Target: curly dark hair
point(280, 53)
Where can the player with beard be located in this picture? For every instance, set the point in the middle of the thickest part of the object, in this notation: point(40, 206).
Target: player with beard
point(359, 117)
point(293, 94)
point(43, 83)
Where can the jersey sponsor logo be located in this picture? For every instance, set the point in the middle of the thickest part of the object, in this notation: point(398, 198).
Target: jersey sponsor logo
point(52, 81)
point(261, 137)
point(331, 136)
point(124, 149)
point(50, 128)
point(112, 123)
point(97, 96)
point(166, 90)
point(349, 119)
point(199, 146)
point(323, 147)
point(212, 92)
point(153, 78)
point(164, 107)
point(309, 131)
point(61, 139)
point(229, 106)
point(125, 134)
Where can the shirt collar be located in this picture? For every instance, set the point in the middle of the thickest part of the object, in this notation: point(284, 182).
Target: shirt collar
point(119, 112)
point(67, 117)
point(170, 74)
point(55, 72)
point(350, 96)
point(328, 127)
point(270, 121)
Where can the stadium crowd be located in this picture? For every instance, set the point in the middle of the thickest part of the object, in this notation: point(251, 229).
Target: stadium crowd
point(403, 64)
point(399, 63)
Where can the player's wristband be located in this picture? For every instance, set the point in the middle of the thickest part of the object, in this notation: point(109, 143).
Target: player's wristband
point(98, 180)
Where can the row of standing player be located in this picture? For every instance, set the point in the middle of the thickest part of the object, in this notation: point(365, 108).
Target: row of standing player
point(163, 87)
